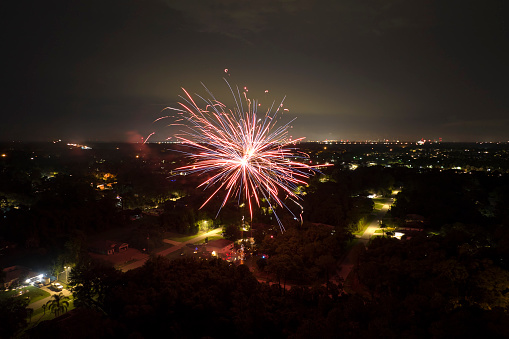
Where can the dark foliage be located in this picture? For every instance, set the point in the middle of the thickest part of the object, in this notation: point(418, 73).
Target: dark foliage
point(13, 316)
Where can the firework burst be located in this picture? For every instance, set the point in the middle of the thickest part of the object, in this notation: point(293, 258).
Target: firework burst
point(245, 153)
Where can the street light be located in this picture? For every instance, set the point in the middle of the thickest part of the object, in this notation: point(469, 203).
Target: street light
point(66, 268)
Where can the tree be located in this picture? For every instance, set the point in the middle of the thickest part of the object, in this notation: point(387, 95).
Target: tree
point(74, 248)
point(282, 266)
point(232, 232)
point(327, 263)
point(91, 281)
point(2, 277)
point(30, 313)
point(13, 316)
point(58, 304)
point(57, 266)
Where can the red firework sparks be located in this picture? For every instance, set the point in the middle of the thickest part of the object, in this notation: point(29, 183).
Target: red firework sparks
point(247, 154)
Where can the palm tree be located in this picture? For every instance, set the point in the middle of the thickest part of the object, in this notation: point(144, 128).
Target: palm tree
point(58, 304)
point(30, 312)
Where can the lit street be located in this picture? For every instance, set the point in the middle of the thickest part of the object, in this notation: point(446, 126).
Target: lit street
point(351, 258)
point(176, 246)
point(39, 303)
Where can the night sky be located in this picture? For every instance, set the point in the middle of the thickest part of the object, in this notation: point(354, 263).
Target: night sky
point(358, 70)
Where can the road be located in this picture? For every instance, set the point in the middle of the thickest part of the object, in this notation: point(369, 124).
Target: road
point(39, 303)
point(346, 265)
point(176, 246)
point(352, 257)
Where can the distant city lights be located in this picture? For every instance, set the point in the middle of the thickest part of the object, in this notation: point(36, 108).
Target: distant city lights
point(80, 146)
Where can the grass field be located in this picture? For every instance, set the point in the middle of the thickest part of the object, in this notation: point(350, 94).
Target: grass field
point(214, 237)
point(175, 255)
point(365, 225)
point(33, 293)
point(161, 248)
point(180, 237)
point(183, 237)
point(41, 315)
point(379, 203)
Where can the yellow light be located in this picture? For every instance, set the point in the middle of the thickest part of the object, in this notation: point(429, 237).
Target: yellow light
point(4, 155)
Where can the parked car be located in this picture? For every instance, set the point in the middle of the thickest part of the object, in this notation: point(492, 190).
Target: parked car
point(57, 287)
point(39, 284)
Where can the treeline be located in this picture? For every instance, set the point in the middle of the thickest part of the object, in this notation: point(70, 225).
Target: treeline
point(303, 256)
point(450, 284)
point(45, 200)
point(195, 299)
point(446, 197)
point(339, 197)
point(69, 204)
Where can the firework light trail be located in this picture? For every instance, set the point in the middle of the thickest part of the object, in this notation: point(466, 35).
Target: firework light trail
point(246, 154)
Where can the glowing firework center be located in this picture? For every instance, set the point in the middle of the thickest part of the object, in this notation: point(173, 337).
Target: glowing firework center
point(246, 153)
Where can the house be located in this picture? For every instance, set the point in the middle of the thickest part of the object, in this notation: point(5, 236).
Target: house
point(121, 247)
point(108, 247)
point(103, 247)
point(320, 225)
point(17, 274)
point(414, 219)
point(156, 212)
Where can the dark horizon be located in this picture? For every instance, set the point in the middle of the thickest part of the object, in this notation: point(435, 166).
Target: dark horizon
point(104, 71)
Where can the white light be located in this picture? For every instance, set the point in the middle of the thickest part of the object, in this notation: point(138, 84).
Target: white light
point(398, 235)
